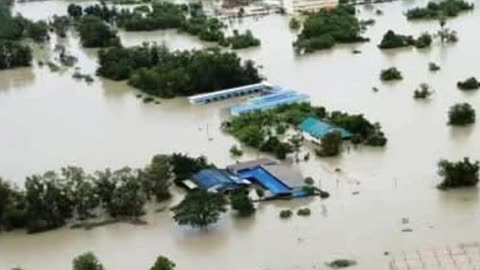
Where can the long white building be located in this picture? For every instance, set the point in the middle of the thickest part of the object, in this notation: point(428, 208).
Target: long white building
point(299, 6)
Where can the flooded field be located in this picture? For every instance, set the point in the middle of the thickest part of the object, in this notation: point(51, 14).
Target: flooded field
point(49, 120)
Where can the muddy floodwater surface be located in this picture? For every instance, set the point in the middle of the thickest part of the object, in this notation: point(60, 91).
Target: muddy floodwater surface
point(48, 120)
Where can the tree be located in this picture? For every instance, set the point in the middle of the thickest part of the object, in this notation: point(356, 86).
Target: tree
point(423, 41)
point(199, 209)
point(48, 202)
point(163, 263)
point(157, 177)
point(96, 33)
point(324, 29)
point(87, 261)
point(294, 23)
point(461, 114)
point(13, 54)
point(422, 92)
point(469, 84)
point(236, 151)
point(242, 203)
point(128, 198)
point(330, 144)
point(392, 40)
point(75, 11)
point(83, 194)
point(391, 74)
point(458, 174)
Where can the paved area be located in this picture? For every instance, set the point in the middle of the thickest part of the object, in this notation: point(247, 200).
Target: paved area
point(464, 256)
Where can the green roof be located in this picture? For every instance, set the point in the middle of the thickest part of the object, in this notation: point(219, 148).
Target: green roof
point(318, 129)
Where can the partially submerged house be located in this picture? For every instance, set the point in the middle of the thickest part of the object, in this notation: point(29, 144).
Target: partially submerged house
point(279, 180)
point(314, 129)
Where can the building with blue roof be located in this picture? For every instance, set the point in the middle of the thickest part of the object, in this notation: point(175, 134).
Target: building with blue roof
point(217, 180)
point(317, 129)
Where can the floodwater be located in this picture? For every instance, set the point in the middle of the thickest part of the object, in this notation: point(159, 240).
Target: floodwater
point(49, 120)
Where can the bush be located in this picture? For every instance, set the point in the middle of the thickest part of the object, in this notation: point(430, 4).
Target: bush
point(287, 213)
point(423, 41)
point(391, 74)
point(163, 263)
point(294, 23)
point(469, 84)
point(304, 212)
point(87, 261)
point(235, 151)
point(461, 114)
point(458, 174)
point(391, 40)
point(422, 92)
point(309, 181)
point(433, 66)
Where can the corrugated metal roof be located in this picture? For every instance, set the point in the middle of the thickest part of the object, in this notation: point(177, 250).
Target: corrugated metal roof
point(208, 178)
point(319, 129)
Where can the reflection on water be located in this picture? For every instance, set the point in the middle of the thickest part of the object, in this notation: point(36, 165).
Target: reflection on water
point(49, 120)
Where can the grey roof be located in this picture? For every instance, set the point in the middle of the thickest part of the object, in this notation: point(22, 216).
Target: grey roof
point(251, 164)
point(287, 174)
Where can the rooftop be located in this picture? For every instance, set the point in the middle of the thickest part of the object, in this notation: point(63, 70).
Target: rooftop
point(318, 128)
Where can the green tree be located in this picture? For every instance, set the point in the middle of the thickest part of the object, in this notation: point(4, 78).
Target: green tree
point(87, 261)
point(163, 263)
point(199, 209)
point(330, 144)
point(128, 198)
point(74, 11)
point(458, 174)
point(469, 84)
point(157, 178)
point(96, 33)
point(461, 114)
point(83, 193)
point(391, 74)
point(242, 203)
point(294, 23)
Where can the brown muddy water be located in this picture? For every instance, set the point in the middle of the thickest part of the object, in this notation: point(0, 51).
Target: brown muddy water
point(48, 120)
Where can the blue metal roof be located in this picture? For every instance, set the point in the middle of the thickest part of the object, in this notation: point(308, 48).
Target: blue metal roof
point(213, 178)
point(318, 129)
point(269, 101)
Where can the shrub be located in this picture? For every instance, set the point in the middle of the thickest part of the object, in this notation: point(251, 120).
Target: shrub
point(286, 213)
point(391, 74)
point(235, 151)
point(461, 114)
point(458, 174)
point(423, 41)
point(391, 40)
point(433, 66)
point(469, 84)
point(422, 92)
point(294, 23)
point(304, 212)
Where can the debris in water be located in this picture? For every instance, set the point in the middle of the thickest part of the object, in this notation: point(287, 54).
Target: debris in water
point(386, 253)
point(405, 220)
point(375, 89)
point(355, 192)
point(407, 230)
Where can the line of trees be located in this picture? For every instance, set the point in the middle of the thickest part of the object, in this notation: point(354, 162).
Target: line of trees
point(435, 10)
point(48, 201)
point(13, 54)
point(324, 29)
point(164, 15)
point(160, 72)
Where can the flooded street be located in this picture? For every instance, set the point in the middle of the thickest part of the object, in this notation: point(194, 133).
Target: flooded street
point(48, 120)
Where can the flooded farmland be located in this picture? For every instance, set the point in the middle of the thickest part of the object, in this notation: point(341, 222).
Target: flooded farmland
point(48, 120)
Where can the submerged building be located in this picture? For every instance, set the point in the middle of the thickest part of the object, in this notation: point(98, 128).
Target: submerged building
point(278, 180)
point(314, 129)
point(307, 6)
point(269, 101)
